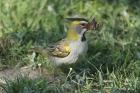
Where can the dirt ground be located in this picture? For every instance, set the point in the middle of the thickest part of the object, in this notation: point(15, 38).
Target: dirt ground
point(12, 73)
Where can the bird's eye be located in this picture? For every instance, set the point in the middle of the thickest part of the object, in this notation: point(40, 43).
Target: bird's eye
point(83, 24)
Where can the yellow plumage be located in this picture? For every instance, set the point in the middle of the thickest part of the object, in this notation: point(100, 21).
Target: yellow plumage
point(69, 49)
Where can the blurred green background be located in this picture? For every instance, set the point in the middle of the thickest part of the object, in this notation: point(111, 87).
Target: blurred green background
point(114, 49)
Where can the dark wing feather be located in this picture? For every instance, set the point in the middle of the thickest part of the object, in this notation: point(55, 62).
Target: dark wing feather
point(60, 49)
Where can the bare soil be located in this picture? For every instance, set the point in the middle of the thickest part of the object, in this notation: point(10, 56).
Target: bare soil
point(13, 73)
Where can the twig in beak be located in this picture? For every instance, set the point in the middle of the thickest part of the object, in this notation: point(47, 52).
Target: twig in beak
point(93, 24)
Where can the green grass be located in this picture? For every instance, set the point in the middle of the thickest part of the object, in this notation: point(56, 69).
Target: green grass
point(25, 85)
point(113, 61)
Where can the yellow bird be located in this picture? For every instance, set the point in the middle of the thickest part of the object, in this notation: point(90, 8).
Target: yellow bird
point(71, 48)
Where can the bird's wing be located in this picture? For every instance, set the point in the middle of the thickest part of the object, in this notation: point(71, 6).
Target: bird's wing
point(61, 49)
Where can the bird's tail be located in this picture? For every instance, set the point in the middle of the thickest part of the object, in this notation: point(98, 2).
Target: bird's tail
point(39, 50)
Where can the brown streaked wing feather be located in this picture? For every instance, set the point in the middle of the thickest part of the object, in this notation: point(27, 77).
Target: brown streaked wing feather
point(61, 49)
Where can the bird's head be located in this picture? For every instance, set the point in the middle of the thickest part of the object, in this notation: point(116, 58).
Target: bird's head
point(80, 25)
point(77, 27)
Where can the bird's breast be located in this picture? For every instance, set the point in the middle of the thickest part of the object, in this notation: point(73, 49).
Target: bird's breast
point(78, 48)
